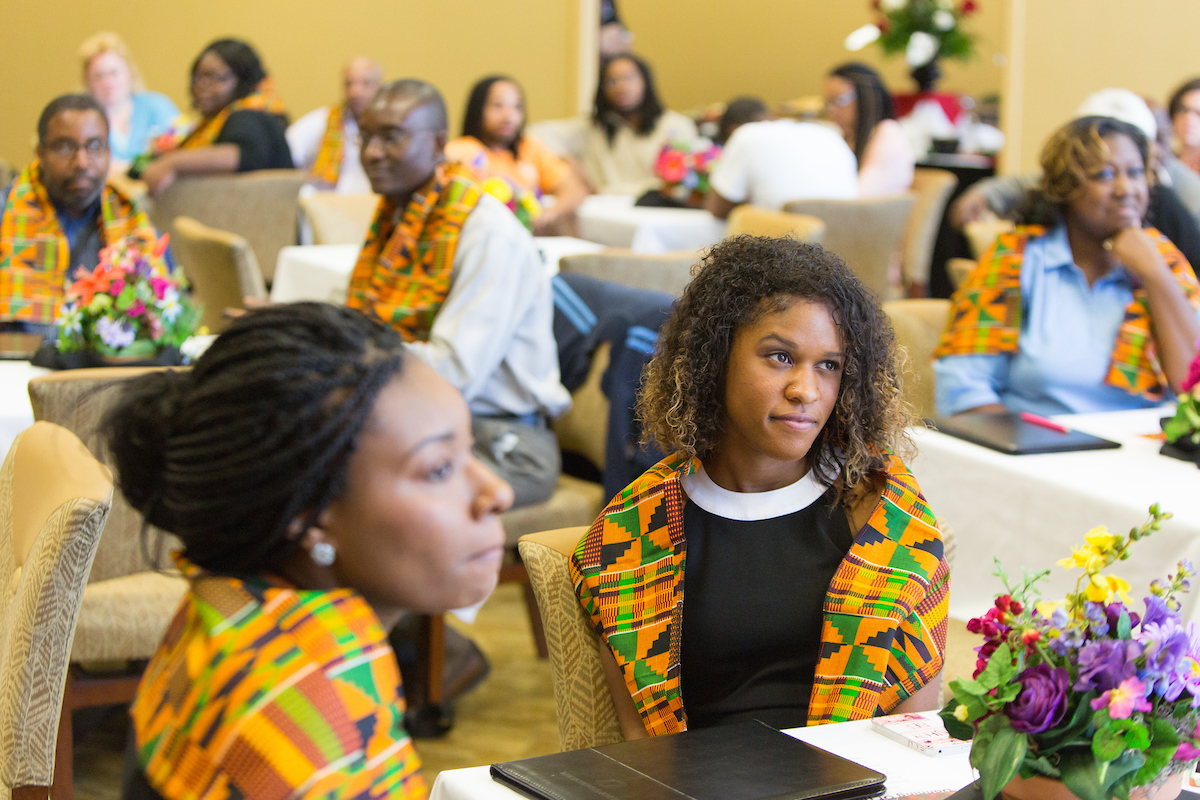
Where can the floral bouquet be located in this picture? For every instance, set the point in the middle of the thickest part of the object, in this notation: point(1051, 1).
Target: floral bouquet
point(1183, 429)
point(130, 306)
point(168, 140)
point(924, 30)
point(683, 167)
point(1085, 691)
point(522, 202)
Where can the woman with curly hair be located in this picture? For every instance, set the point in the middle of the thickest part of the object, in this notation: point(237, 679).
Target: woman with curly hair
point(1086, 310)
point(816, 586)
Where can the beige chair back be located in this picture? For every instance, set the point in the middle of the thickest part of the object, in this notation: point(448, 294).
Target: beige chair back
point(753, 221)
point(261, 206)
point(957, 269)
point(661, 272)
point(931, 190)
point(54, 497)
point(221, 268)
point(339, 218)
point(918, 325)
point(78, 400)
point(982, 234)
point(586, 714)
point(865, 233)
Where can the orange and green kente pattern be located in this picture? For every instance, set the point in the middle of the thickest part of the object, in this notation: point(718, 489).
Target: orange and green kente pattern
point(986, 315)
point(34, 252)
point(260, 690)
point(403, 272)
point(884, 630)
point(327, 167)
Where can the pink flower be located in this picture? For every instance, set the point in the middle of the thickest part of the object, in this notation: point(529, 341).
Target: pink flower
point(672, 165)
point(116, 287)
point(137, 309)
point(1186, 752)
point(1193, 376)
point(1122, 701)
point(159, 286)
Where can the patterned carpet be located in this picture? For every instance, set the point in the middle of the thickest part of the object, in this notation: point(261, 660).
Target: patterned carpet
point(510, 715)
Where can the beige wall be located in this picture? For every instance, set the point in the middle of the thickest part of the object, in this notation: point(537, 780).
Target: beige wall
point(710, 50)
point(1148, 46)
point(303, 42)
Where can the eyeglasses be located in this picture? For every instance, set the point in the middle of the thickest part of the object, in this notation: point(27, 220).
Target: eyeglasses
point(212, 78)
point(842, 100)
point(67, 149)
point(390, 138)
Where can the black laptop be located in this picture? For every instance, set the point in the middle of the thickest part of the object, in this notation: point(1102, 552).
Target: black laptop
point(1008, 433)
point(746, 761)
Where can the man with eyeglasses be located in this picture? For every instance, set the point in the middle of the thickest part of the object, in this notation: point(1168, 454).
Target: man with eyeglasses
point(454, 271)
point(60, 213)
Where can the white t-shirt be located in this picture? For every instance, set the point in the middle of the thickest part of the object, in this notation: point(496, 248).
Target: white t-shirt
point(774, 162)
point(304, 140)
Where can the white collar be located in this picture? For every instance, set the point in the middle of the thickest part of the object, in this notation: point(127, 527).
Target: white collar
point(749, 506)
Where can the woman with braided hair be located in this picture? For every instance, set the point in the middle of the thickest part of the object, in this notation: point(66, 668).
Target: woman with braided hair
point(321, 481)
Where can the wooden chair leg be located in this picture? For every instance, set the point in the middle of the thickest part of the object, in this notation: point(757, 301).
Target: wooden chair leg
point(435, 635)
point(535, 622)
point(64, 749)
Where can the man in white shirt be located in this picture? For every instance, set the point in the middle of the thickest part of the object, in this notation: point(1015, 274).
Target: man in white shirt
point(770, 163)
point(469, 292)
point(325, 140)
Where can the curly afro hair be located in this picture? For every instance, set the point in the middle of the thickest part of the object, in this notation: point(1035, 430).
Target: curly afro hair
point(682, 401)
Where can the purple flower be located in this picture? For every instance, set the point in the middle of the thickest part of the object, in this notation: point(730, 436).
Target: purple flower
point(1103, 664)
point(1042, 701)
point(1165, 643)
point(1156, 611)
point(114, 334)
point(1097, 616)
point(142, 270)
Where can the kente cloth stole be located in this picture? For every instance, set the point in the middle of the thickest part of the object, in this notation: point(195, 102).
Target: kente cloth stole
point(263, 690)
point(403, 272)
point(986, 317)
point(884, 629)
point(262, 98)
point(34, 252)
point(327, 167)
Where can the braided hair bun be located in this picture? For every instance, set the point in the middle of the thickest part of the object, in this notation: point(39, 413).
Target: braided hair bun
point(260, 431)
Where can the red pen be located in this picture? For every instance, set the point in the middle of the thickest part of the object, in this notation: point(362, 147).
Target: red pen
point(1034, 419)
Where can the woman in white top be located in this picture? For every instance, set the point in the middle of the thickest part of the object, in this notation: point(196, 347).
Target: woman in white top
point(629, 128)
point(861, 106)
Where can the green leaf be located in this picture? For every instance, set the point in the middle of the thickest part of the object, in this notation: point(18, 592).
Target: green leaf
point(955, 727)
point(1121, 771)
point(975, 701)
point(139, 348)
point(1038, 766)
point(1078, 768)
point(1124, 625)
point(1008, 692)
point(1108, 743)
point(1001, 761)
point(1081, 718)
point(1164, 740)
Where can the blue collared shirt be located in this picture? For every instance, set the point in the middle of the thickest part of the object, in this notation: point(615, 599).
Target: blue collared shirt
point(1068, 332)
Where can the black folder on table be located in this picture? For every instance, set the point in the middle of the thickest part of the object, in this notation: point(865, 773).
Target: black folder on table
point(746, 761)
point(1008, 433)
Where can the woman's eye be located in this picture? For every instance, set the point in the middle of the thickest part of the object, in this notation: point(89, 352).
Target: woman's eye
point(1106, 174)
point(831, 365)
point(441, 472)
point(781, 357)
point(1137, 172)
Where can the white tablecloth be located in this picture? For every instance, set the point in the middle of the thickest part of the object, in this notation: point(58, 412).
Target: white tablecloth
point(15, 412)
point(614, 220)
point(322, 272)
point(908, 771)
point(1031, 510)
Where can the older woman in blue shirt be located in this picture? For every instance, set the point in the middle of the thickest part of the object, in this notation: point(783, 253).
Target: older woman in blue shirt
point(134, 114)
point(1088, 311)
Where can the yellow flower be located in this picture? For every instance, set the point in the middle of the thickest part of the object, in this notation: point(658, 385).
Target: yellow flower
point(1047, 607)
point(1103, 588)
point(1084, 558)
point(498, 188)
point(960, 713)
point(1100, 540)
